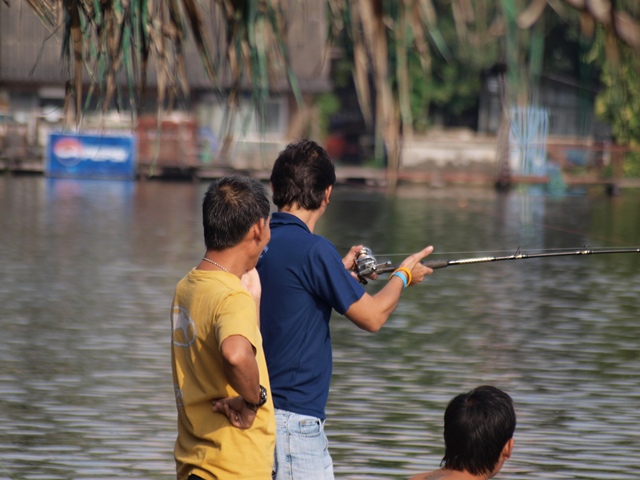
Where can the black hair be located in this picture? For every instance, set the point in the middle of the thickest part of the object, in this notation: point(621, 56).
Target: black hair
point(231, 206)
point(477, 425)
point(301, 174)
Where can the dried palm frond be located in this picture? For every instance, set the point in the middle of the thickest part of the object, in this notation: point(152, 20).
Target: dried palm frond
point(532, 13)
point(611, 15)
point(114, 42)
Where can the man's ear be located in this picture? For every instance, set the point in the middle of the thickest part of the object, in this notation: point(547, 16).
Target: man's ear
point(327, 194)
point(254, 232)
point(259, 229)
point(507, 450)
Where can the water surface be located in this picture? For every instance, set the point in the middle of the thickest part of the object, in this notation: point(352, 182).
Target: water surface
point(88, 270)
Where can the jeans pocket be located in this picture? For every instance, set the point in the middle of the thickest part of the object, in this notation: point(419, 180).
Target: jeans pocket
point(311, 427)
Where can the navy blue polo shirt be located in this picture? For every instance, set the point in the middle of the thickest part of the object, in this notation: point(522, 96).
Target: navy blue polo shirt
point(303, 279)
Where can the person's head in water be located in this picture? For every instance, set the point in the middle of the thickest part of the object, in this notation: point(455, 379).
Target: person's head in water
point(478, 431)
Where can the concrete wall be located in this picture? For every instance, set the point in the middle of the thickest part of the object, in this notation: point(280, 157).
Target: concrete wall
point(451, 151)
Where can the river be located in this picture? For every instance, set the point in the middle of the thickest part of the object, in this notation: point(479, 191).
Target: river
point(88, 270)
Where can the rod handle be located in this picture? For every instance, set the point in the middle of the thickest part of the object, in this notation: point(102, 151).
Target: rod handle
point(434, 264)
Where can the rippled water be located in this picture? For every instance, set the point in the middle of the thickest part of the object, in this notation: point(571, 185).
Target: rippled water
point(88, 270)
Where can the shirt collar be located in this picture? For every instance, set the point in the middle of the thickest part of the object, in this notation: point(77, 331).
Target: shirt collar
point(283, 218)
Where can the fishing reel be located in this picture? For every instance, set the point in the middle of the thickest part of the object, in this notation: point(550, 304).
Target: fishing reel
point(367, 265)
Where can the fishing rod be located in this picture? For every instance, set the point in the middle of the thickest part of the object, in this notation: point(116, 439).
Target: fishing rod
point(367, 265)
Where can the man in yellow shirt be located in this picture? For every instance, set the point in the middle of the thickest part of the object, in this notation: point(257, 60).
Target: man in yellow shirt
point(217, 355)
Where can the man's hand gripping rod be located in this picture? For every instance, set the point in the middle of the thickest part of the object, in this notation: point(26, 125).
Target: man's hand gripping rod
point(367, 265)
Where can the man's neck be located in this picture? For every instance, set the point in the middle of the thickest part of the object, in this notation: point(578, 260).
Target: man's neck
point(309, 217)
point(235, 260)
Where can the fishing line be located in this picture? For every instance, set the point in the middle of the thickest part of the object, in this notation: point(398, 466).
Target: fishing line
point(570, 231)
point(484, 212)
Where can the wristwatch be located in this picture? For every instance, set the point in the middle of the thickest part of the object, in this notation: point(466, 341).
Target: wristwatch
point(263, 400)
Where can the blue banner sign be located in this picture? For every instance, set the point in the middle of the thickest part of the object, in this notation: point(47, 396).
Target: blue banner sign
point(91, 156)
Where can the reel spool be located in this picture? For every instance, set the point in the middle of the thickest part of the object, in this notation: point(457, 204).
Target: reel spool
point(367, 265)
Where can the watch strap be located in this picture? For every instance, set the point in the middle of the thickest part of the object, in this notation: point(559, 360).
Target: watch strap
point(263, 400)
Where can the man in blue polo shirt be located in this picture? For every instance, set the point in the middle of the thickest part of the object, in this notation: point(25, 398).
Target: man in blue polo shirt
point(303, 279)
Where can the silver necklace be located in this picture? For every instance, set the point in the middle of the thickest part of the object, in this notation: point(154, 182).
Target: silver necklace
point(216, 264)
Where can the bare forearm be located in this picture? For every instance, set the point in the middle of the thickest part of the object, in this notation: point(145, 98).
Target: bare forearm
point(387, 298)
point(240, 367)
point(247, 386)
point(370, 313)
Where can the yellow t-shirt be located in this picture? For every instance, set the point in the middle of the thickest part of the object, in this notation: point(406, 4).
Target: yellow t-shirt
point(207, 308)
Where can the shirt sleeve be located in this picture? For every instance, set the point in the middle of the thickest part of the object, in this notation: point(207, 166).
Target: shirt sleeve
point(237, 316)
point(326, 276)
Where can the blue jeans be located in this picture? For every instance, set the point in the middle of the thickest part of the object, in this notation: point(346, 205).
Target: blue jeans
point(302, 449)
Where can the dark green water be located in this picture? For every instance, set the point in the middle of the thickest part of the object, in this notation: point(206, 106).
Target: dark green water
point(88, 270)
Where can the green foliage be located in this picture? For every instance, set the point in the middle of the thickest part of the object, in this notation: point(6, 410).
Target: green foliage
point(632, 165)
point(342, 72)
point(618, 103)
point(454, 81)
point(454, 88)
point(327, 105)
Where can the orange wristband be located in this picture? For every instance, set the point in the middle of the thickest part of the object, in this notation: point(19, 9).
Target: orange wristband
point(405, 270)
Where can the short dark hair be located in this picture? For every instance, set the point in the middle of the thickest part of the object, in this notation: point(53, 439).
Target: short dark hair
point(301, 174)
point(231, 206)
point(477, 425)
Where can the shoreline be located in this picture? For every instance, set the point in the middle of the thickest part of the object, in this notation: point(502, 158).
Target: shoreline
point(367, 176)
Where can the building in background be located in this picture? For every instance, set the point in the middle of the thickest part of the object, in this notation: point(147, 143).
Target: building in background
point(34, 80)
